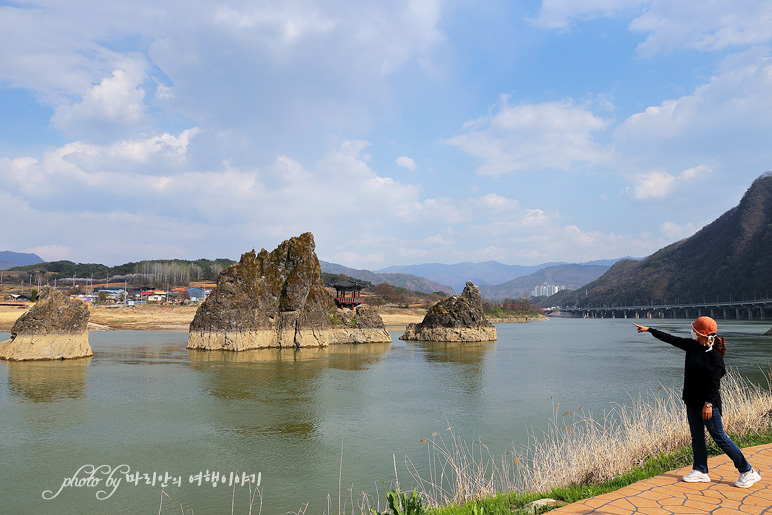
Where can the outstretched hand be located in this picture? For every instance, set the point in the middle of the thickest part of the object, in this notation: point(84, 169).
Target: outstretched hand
point(641, 328)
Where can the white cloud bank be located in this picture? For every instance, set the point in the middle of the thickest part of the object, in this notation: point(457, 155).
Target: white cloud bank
point(670, 25)
point(527, 137)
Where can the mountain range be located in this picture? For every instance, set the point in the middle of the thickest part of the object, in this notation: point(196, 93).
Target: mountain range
point(732, 256)
point(495, 280)
point(408, 281)
point(571, 276)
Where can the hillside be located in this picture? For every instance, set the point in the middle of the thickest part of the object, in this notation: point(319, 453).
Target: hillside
point(407, 281)
point(730, 256)
point(10, 259)
point(571, 276)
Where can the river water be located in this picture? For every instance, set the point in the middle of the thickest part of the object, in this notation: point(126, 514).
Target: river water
point(144, 404)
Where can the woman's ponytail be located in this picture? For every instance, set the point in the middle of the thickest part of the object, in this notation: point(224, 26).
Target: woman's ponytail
point(719, 343)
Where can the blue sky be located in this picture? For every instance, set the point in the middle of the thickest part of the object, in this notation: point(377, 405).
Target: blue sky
point(397, 132)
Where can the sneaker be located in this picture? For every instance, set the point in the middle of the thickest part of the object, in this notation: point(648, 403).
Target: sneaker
point(695, 476)
point(747, 479)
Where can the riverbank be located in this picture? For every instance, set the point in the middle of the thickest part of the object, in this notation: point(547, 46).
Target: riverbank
point(177, 318)
point(579, 458)
point(517, 320)
point(154, 317)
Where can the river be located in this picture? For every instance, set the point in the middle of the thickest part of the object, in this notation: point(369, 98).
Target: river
point(144, 404)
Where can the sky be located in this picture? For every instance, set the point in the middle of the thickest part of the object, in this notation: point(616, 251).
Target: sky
point(400, 132)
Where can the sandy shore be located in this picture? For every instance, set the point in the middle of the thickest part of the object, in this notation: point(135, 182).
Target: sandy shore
point(175, 318)
point(178, 318)
point(8, 315)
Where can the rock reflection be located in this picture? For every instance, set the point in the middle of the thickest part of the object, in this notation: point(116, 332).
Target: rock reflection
point(467, 360)
point(345, 357)
point(277, 392)
point(48, 381)
point(457, 352)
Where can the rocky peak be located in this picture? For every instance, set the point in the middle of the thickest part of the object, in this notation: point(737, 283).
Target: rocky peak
point(456, 318)
point(55, 328)
point(269, 299)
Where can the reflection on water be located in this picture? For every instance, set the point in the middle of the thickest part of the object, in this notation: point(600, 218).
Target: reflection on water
point(278, 389)
point(145, 400)
point(347, 357)
point(465, 362)
point(48, 381)
point(469, 353)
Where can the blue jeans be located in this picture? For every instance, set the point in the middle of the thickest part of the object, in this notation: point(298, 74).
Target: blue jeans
point(716, 429)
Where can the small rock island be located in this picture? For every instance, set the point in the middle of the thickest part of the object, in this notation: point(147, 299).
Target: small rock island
point(55, 328)
point(278, 299)
point(459, 318)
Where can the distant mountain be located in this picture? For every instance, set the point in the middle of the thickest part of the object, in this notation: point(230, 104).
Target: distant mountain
point(730, 256)
point(492, 273)
point(408, 281)
point(571, 276)
point(10, 259)
point(456, 276)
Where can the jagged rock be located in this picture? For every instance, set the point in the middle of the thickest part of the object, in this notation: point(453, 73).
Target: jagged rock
point(362, 325)
point(278, 299)
point(459, 318)
point(55, 328)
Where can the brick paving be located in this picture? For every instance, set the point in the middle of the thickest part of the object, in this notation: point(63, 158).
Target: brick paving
point(666, 494)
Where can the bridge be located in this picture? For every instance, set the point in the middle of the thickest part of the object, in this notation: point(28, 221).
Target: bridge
point(744, 309)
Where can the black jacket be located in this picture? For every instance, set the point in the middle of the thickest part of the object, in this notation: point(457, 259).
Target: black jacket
point(702, 370)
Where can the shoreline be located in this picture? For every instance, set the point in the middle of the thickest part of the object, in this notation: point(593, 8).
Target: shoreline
point(177, 318)
point(156, 317)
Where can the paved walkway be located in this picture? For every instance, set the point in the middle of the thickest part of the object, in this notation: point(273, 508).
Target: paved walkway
point(666, 494)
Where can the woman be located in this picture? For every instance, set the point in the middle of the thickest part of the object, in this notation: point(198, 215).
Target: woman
point(703, 370)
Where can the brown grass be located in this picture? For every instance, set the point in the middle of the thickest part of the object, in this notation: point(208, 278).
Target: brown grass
point(178, 318)
point(8, 316)
point(577, 449)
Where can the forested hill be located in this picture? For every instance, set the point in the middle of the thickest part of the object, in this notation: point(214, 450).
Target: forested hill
point(175, 270)
point(730, 256)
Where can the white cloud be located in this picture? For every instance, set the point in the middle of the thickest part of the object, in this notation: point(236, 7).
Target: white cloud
point(495, 203)
point(657, 184)
point(52, 252)
point(532, 136)
point(669, 25)
point(437, 240)
point(559, 13)
point(653, 184)
point(116, 103)
point(406, 162)
point(270, 69)
point(703, 25)
point(724, 123)
point(673, 231)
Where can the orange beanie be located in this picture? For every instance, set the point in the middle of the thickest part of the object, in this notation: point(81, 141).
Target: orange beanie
point(705, 326)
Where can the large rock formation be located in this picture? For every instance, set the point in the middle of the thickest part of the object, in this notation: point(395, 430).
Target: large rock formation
point(278, 299)
point(458, 318)
point(55, 328)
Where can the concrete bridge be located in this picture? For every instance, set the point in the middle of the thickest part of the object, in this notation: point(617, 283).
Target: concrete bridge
point(745, 309)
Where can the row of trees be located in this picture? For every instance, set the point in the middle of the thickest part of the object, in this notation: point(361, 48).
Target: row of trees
point(155, 273)
point(516, 308)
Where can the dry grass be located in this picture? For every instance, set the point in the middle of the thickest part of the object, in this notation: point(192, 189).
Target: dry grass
point(8, 316)
point(400, 317)
point(577, 449)
point(143, 317)
point(178, 318)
